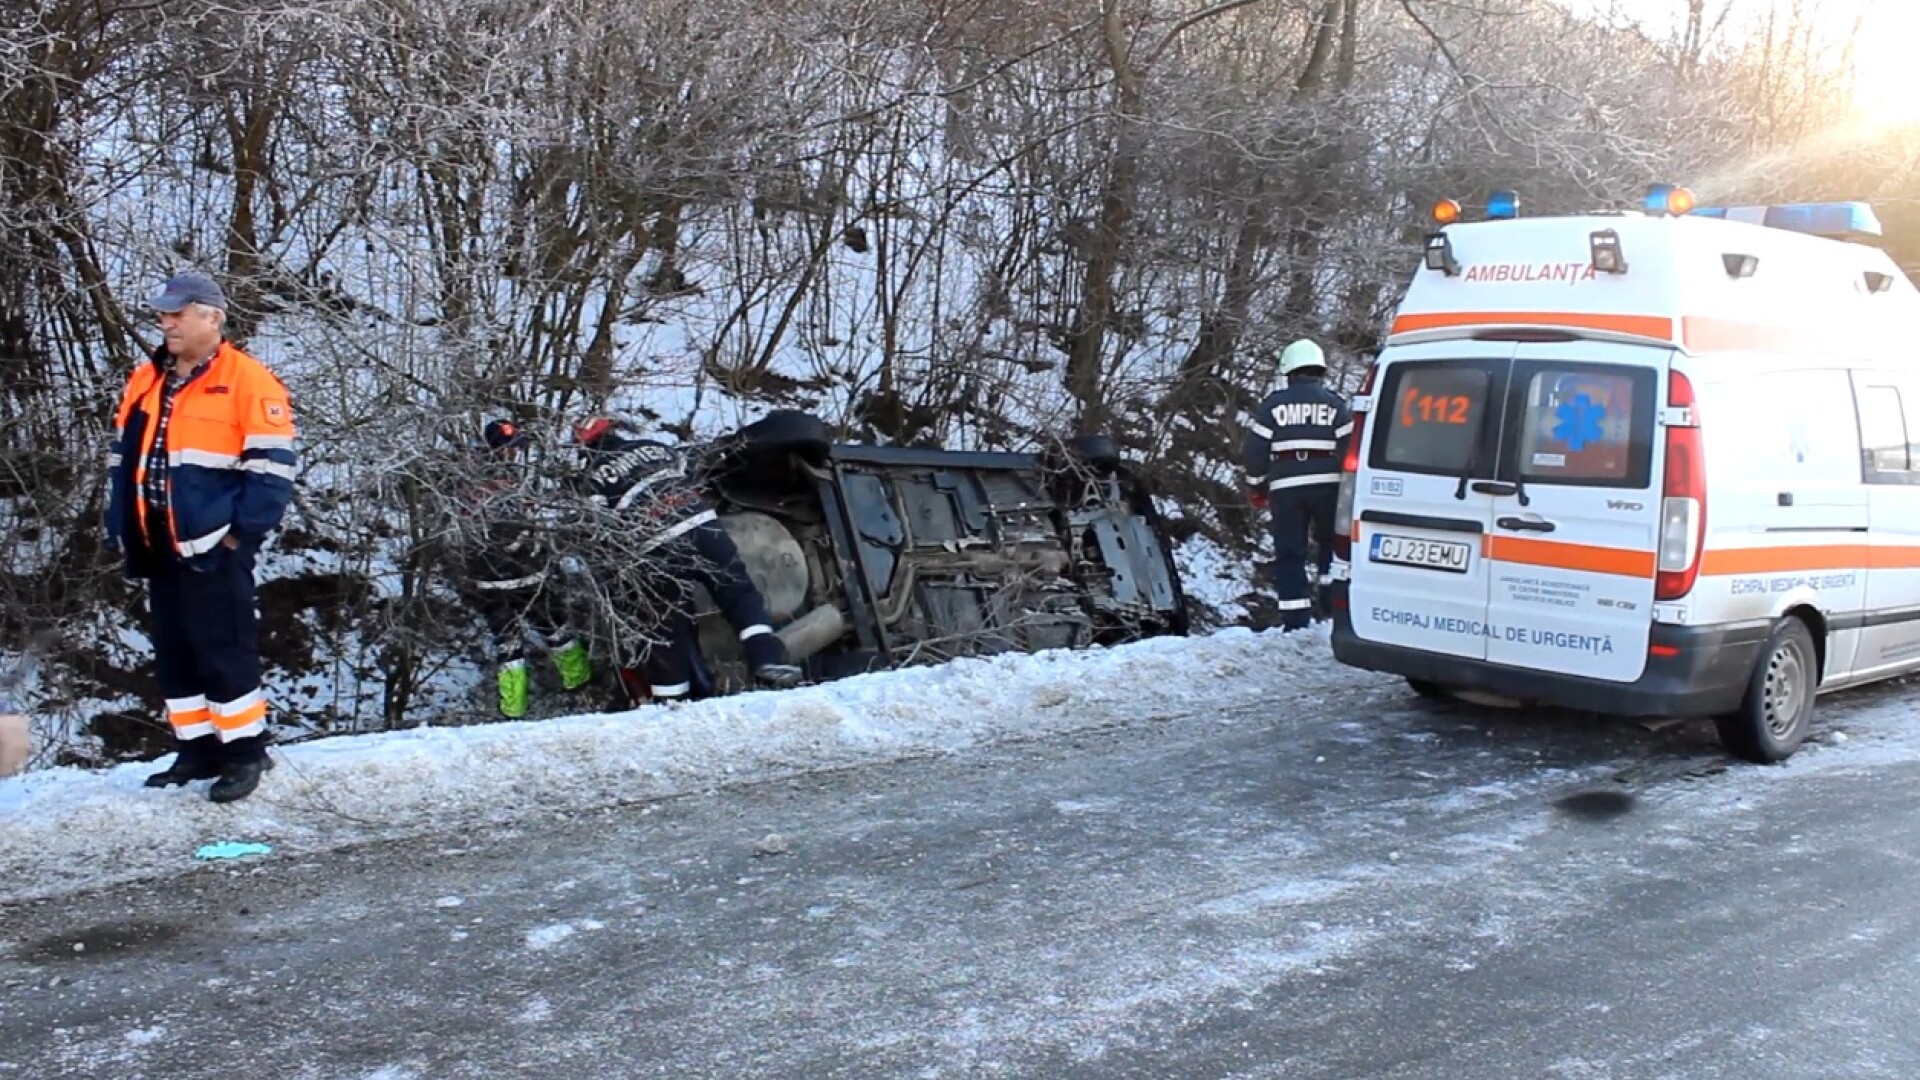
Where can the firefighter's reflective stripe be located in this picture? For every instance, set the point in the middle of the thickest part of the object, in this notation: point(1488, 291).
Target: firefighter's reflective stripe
point(200, 545)
point(755, 631)
point(1291, 445)
point(1293, 605)
point(1280, 483)
point(677, 531)
point(190, 717)
point(241, 718)
point(673, 690)
point(633, 494)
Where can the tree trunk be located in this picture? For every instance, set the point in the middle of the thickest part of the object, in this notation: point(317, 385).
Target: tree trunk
point(1088, 335)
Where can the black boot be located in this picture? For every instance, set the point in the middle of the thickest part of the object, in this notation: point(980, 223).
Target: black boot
point(198, 759)
point(239, 778)
point(781, 675)
point(767, 658)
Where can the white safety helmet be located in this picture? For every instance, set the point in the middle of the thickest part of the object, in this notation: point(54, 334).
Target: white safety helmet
point(1301, 354)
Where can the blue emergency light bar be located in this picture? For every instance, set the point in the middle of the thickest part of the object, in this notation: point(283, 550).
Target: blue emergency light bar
point(1503, 205)
point(1839, 220)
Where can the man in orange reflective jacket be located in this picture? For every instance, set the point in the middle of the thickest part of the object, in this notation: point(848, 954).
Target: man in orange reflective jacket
point(201, 470)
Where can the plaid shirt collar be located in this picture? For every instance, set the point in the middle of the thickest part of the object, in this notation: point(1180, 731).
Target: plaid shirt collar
point(175, 380)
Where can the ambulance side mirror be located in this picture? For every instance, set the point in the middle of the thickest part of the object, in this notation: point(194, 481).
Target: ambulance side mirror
point(1878, 282)
point(1440, 254)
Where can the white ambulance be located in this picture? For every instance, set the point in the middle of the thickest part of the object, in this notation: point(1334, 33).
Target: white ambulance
point(1655, 463)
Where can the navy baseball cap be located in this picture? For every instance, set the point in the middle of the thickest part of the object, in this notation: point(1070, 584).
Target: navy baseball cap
point(189, 288)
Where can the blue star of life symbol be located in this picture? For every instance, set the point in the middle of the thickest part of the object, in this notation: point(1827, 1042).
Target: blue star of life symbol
point(1579, 422)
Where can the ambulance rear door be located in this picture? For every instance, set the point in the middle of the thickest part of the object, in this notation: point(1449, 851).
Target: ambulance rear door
point(1421, 501)
point(1573, 541)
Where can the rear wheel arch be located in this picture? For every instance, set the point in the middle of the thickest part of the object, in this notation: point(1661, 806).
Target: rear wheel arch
point(1816, 623)
point(1777, 709)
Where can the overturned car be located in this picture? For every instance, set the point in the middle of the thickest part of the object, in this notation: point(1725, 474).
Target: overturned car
point(876, 557)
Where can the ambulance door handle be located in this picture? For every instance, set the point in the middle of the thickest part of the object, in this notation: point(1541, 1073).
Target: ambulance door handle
point(1495, 487)
point(1525, 524)
point(1785, 498)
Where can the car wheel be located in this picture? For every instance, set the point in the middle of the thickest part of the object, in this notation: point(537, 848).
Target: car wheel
point(1777, 711)
point(788, 431)
point(1099, 451)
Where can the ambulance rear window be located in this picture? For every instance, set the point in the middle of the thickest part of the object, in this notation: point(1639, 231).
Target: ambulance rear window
point(1586, 424)
point(1432, 416)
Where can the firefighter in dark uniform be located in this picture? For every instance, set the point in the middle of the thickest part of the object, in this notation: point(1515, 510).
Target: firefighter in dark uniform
point(1292, 457)
point(657, 488)
point(505, 570)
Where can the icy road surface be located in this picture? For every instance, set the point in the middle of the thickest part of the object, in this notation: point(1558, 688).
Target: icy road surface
point(1370, 886)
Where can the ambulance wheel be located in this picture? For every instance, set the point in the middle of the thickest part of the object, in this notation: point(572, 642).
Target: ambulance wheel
point(1778, 709)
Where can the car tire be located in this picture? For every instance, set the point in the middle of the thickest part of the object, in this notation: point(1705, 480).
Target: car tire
point(787, 431)
point(1777, 711)
point(1099, 451)
point(1079, 458)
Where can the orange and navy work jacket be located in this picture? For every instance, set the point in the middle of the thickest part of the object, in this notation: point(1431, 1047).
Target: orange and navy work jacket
point(229, 457)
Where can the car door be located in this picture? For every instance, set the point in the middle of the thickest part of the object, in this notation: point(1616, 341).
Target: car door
point(1788, 510)
point(1573, 541)
point(1418, 577)
point(1890, 464)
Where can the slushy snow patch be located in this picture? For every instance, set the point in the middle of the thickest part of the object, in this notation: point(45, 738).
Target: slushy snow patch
point(67, 829)
point(546, 937)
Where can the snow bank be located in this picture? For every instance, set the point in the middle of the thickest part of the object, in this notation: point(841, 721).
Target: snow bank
point(67, 829)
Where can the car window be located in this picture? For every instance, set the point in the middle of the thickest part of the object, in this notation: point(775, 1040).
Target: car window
point(1584, 424)
point(1883, 430)
point(1431, 416)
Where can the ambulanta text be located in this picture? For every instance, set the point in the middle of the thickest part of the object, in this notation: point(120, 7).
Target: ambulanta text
point(1571, 273)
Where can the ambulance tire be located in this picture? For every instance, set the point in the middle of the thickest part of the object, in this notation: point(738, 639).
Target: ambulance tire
point(1778, 709)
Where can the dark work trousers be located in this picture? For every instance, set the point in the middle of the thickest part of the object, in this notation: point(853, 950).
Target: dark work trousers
point(510, 613)
point(1298, 513)
point(706, 555)
point(206, 643)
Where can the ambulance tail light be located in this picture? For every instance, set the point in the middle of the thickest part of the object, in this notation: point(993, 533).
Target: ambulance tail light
point(1349, 478)
point(1683, 503)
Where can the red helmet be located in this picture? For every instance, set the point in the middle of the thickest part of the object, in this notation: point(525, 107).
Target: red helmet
point(504, 435)
point(592, 430)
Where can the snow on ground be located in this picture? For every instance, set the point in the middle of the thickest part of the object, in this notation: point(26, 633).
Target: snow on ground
point(1215, 578)
point(67, 829)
